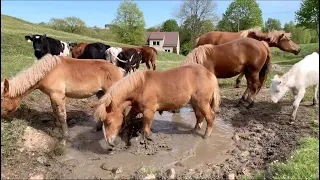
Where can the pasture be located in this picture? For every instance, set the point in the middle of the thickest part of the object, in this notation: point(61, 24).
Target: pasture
point(242, 140)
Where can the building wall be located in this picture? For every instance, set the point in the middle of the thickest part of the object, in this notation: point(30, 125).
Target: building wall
point(157, 47)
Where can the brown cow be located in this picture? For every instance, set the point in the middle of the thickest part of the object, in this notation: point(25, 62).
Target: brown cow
point(148, 55)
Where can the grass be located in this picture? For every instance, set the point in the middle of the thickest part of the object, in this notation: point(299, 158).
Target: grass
point(17, 54)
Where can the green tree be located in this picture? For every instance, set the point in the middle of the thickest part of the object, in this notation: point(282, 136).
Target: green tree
point(308, 14)
point(300, 35)
point(75, 24)
point(170, 25)
point(241, 15)
point(206, 26)
point(129, 24)
point(272, 24)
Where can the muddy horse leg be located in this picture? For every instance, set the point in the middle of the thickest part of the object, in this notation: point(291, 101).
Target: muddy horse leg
point(246, 93)
point(254, 89)
point(238, 80)
point(58, 100)
point(147, 122)
point(199, 117)
point(209, 114)
point(98, 126)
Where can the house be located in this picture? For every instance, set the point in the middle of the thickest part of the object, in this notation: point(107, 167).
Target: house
point(107, 26)
point(164, 41)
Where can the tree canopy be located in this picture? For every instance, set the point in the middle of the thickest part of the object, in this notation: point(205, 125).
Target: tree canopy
point(308, 14)
point(272, 24)
point(170, 25)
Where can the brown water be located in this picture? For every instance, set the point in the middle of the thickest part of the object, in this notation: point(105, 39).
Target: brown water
point(88, 150)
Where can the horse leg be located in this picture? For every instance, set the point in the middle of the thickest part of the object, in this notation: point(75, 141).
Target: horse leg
point(297, 99)
point(59, 101)
point(55, 113)
point(199, 117)
point(147, 122)
point(254, 89)
point(210, 116)
point(98, 126)
point(245, 95)
point(153, 63)
point(148, 65)
point(315, 98)
point(238, 80)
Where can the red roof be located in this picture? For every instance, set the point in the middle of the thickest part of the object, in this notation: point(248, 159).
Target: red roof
point(170, 38)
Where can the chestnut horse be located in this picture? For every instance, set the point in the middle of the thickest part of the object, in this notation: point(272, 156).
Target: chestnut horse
point(150, 91)
point(230, 59)
point(148, 55)
point(59, 77)
point(273, 38)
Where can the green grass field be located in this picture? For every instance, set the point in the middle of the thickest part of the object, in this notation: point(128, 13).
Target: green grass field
point(17, 54)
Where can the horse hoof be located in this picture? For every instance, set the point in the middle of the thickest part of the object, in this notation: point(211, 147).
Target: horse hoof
point(237, 86)
point(206, 136)
point(250, 106)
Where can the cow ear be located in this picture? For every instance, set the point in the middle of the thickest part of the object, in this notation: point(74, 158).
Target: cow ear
point(45, 35)
point(28, 38)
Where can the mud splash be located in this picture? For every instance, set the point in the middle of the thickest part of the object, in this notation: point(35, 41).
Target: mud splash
point(173, 141)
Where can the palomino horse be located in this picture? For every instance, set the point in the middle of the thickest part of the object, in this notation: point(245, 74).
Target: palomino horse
point(302, 75)
point(273, 38)
point(148, 55)
point(230, 59)
point(150, 91)
point(59, 77)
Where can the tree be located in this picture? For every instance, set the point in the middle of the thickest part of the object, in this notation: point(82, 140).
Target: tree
point(196, 12)
point(308, 14)
point(300, 34)
point(129, 24)
point(68, 24)
point(170, 25)
point(272, 24)
point(241, 15)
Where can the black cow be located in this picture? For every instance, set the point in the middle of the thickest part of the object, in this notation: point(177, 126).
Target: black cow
point(43, 45)
point(94, 51)
point(131, 58)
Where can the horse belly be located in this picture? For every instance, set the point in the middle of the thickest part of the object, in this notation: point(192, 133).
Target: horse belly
point(171, 102)
point(81, 91)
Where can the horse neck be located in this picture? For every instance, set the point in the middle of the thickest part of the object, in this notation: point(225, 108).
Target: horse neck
point(22, 95)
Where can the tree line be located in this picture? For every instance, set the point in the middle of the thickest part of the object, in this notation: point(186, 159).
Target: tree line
point(197, 17)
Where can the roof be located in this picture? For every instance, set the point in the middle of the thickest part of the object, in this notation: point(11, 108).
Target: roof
point(170, 38)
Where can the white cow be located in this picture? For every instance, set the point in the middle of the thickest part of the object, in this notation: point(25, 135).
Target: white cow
point(302, 75)
point(66, 49)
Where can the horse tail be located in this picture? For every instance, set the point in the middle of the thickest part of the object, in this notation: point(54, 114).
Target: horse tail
point(118, 92)
point(216, 98)
point(266, 67)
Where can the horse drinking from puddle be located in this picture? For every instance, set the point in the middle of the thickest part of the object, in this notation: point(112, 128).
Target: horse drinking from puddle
point(302, 75)
point(230, 59)
point(278, 39)
point(59, 77)
point(151, 91)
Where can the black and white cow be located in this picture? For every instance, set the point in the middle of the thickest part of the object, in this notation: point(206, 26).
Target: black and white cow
point(43, 45)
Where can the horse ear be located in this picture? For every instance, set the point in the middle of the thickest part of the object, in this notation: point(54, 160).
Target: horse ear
point(6, 86)
point(281, 36)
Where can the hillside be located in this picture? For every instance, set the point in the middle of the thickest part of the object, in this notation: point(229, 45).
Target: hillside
point(18, 53)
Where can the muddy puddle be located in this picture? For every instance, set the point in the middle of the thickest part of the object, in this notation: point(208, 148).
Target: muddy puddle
point(173, 143)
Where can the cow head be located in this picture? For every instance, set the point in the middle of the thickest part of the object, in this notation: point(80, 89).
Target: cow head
point(37, 40)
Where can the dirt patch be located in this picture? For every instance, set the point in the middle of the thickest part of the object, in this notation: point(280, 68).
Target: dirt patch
point(243, 140)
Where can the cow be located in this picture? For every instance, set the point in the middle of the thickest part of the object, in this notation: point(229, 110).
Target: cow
point(94, 51)
point(43, 45)
point(129, 59)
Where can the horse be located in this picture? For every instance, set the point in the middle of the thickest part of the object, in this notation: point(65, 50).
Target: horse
point(302, 75)
point(218, 37)
point(112, 53)
point(150, 91)
point(129, 59)
point(148, 55)
point(230, 59)
point(59, 77)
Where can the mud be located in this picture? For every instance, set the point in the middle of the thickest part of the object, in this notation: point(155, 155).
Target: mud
point(243, 140)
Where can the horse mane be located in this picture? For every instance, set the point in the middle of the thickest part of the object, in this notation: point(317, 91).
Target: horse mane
point(31, 76)
point(274, 35)
point(255, 30)
point(198, 55)
point(118, 92)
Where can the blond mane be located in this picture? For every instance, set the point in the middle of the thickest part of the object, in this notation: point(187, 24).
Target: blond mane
point(26, 79)
point(118, 92)
point(256, 30)
point(199, 54)
point(274, 35)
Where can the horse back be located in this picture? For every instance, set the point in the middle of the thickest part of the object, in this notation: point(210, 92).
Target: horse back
point(217, 38)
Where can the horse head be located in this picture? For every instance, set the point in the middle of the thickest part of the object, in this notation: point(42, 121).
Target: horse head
point(283, 41)
point(8, 104)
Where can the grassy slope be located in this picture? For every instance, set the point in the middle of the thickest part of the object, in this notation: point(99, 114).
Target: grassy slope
point(17, 54)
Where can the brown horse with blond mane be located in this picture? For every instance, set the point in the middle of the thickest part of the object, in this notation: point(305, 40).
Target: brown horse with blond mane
point(273, 38)
point(150, 91)
point(230, 59)
point(148, 55)
point(59, 77)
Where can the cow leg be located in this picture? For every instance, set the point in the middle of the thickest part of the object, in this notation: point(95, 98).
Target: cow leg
point(297, 99)
point(315, 98)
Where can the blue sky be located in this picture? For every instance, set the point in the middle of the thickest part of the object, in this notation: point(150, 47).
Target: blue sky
point(103, 12)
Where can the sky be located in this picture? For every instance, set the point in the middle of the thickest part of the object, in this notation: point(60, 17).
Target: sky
point(99, 13)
